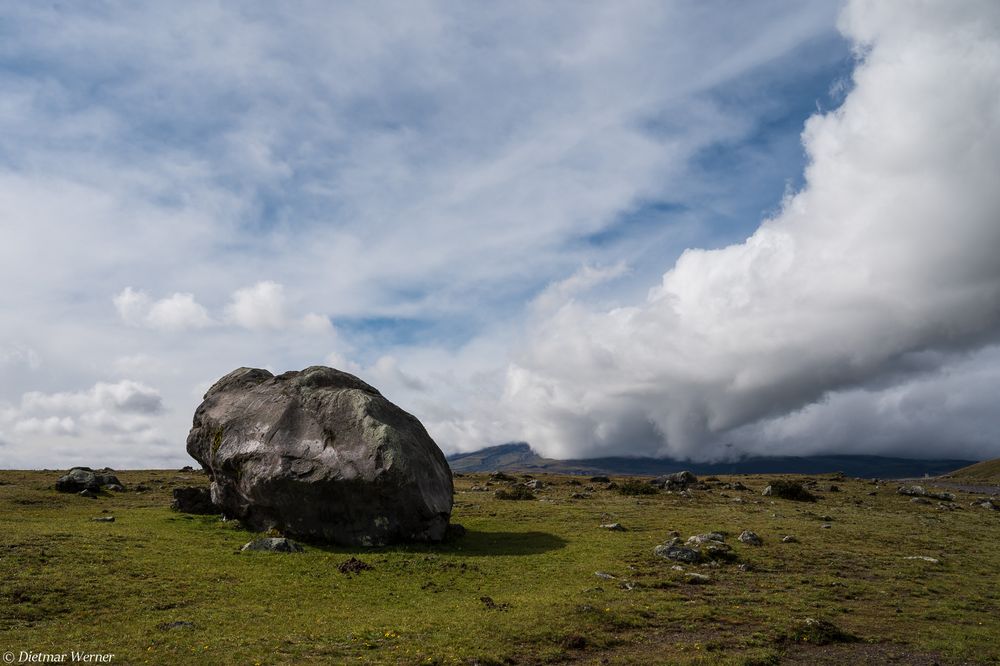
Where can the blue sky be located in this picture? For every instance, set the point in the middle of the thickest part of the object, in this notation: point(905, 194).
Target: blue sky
point(503, 216)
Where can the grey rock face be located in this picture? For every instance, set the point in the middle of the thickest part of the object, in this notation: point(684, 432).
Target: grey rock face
point(750, 538)
point(320, 454)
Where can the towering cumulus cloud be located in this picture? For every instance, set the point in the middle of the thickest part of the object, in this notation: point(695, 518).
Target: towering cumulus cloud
point(883, 269)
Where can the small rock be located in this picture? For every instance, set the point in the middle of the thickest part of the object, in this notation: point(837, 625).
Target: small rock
point(89, 494)
point(826, 519)
point(353, 565)
point(922, 557)
point(746, 566)
point(103, 519)
point(171, 626)
point(789, 539)
point(273, 545)
point(580, 496)
point(614, 527)
point(825, 526)
point(750, 538)
point(920, 500)
point(534, 484)
point(677, 553)
point(605, 576)
point(697, 578)
point(677, 567)
point(699, 539)
point(454, 531)
point(492, 605)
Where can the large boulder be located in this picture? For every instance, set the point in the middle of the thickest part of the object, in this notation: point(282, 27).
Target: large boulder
point(320, 454)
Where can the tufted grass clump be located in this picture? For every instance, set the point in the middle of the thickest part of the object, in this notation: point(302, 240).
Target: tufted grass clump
point(635, 487)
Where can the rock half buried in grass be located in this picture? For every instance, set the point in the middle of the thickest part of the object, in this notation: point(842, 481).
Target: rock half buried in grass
point(273, 545)
point(320, 454)
point(820, 632)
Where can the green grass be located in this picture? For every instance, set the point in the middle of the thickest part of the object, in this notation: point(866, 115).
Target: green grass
point(987, 471)
point(72, 584)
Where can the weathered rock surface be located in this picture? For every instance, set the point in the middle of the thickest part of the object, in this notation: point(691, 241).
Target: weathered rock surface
point(273, 545)
point(675, 481)
point(194, 499)
point(320, 454)
point(83, 478)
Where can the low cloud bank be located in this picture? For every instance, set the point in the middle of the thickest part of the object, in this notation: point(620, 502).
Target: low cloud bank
point(872, 280)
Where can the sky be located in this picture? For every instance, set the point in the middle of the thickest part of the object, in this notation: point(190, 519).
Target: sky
point(699, 230)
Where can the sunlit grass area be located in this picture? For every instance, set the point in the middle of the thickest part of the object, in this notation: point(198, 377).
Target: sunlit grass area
point(520, 587)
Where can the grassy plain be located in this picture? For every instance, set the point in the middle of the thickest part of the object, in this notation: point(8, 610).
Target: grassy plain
point(518, 588)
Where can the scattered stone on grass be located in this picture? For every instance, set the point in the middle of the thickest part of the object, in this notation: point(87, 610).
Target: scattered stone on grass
point(750, 538)
point(84, 478)
point(492, 605)
point(88, 493)
point(789, 538)
point(920, 491)
point(613, 527)
point(172, 626)
point(819, 632)
point(501, 477)
point(925, 558)
point(790, 490)
point(103, 519)
point(605, 576)
point(675, 481)
point(353, 566)
point(697, 578)
point(273, 545)
point(677, 553)
point(514, 493)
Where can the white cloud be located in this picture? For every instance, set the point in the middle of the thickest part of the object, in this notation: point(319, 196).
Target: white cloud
point(52, 425)
point(125, 396)
point(174, 313)
point(888, 250)
point(261, 306)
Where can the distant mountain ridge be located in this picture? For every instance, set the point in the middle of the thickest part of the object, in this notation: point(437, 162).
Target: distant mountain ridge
point(520, 457)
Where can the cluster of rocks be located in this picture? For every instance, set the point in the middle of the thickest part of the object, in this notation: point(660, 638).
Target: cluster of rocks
point(920, 491)
point(988, 503)
point(678, 481)
point(698, 548)
point(88, 483)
